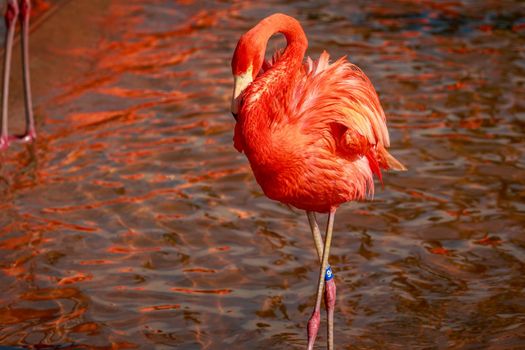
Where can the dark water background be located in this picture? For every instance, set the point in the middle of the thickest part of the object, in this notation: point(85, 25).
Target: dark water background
point(133, 223)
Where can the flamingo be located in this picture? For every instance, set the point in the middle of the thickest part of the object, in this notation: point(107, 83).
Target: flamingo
point(314, 134)
point(17, 9)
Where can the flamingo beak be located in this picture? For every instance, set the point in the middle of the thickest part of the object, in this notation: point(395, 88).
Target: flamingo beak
point(240, 83)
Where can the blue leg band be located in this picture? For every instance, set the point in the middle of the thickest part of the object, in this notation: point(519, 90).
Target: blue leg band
point(329, 274)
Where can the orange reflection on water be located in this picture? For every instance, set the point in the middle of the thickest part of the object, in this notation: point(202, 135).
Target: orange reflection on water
point(78, 277)
point(202, 291)
point(200, 270)
point(160, 307)
point(439, 251)
point(90, 328)
point(489, 240)
point(96, 262)
point(127, 250)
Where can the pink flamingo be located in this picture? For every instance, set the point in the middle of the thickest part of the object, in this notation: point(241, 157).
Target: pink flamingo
point(17, 9)
point(314, 134)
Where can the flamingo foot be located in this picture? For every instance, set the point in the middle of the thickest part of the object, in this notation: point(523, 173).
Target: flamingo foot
point(313, 328)
point(28, 137)
point(4, 143)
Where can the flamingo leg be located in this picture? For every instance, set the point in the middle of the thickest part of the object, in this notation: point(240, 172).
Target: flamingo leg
point(25, 14)
point(10, 16)
point(314, 321)
point(330, 289)
point(316, 233)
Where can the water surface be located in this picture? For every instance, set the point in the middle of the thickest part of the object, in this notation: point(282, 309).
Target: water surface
point(133, 223)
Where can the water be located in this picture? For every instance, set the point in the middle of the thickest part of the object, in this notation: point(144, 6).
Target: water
point(133, 223)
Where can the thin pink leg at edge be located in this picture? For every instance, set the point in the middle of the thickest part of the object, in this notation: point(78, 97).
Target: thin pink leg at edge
point(25, 15)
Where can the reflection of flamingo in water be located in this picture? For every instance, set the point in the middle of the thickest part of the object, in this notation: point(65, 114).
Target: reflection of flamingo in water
point(17, 9)
point(314, 134)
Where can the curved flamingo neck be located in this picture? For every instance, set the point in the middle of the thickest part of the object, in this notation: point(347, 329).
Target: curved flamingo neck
point(259, 109)
point(290, 28)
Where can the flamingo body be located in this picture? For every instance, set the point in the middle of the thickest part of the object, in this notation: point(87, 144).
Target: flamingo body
point(314, 133)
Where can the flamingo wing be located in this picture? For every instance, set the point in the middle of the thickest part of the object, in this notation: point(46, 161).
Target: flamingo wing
point(339, 103)
point(340, 93)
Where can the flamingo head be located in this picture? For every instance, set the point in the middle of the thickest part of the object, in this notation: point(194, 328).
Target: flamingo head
point(246, 62)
